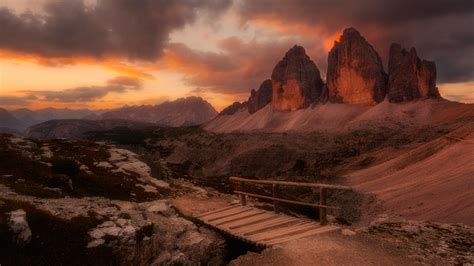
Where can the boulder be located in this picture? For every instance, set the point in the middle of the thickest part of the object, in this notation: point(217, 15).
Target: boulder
point(261, 97)
point(355, 71)
point(296, 81)
point(20, 227)
point(410, 77)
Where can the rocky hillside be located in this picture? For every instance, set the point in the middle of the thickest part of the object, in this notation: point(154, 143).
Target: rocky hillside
point(406, 166)
point(355, 78)
point(331, 117)
point(181, 112)
point(107, 204)
point(77, 128)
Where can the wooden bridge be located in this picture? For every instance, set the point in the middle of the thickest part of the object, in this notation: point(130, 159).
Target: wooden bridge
point(266, 228)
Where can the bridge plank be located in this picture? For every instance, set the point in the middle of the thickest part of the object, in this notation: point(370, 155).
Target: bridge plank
point(259, 226)
point(219, 210)
point(267, 225)
point(250, 221)
point(237, 217)
point(320, 230)
point(226, 213)
point(285, 231)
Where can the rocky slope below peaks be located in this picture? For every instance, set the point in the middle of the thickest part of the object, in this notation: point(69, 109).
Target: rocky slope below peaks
point(332, 117)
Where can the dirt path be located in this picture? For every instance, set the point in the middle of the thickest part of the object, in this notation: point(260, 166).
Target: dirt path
point(331, 249)
point(201, 200)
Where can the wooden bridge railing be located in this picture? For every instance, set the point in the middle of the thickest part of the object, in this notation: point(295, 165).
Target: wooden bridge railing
point(275, 191)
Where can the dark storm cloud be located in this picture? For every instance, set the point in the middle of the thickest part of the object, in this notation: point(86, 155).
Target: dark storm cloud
point(126, 28)
point(87, 93)
point(441, 30)
point(240, 67)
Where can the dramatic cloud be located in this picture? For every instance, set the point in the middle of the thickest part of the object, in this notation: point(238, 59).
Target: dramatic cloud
point(240, 67)
point(12, 100)
point(440, 30)
point(81, 94)
point(124, 28)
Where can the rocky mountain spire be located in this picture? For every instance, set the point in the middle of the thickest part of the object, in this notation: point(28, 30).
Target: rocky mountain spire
point(410, 77)
point(261, 97)
point(355, 72)
point(296, 81)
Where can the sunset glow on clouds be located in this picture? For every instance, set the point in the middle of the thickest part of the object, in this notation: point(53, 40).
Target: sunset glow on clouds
point(65, 53)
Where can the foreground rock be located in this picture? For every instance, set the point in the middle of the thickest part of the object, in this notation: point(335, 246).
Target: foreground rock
point(355, 72)
point(20, 228)
point(296, 81)
point(410, 77)
point(98, 230)
point(428, 241)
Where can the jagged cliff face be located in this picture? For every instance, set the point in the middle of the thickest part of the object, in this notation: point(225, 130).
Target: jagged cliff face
point(296, 81)
point(261, 97)
point(409, 77)
point(355, 72)
point(355, 76)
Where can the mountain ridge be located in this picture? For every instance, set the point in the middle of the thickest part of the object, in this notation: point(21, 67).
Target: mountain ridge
point(187, 111)
point(355, 75)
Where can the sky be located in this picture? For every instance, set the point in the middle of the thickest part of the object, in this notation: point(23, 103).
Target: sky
point(102, 54)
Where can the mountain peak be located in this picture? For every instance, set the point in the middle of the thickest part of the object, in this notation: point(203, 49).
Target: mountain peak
point(296, 51)
point(296, 81)
point(192, 110)
point(355, 72)
point(350, 32)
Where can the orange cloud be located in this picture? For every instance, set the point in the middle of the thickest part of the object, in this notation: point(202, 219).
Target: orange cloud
point(109, 62)
point(314, 32)
point(329, 42)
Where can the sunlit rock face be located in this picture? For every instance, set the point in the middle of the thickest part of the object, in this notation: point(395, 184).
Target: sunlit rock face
point(355, 72)
point(410, 77)
point(261, 97)
point(296, 81)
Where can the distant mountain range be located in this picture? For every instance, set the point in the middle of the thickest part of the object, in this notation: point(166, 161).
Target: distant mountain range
point(20, 119)
point(181, 112)
point(188, 111)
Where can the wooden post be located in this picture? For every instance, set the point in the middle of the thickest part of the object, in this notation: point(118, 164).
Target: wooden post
point(322, 211)
point(243, 199)
point(275, 192)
